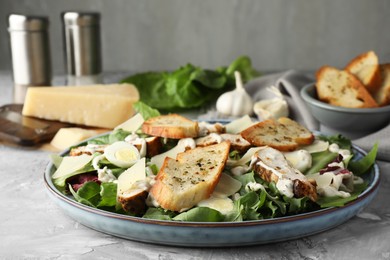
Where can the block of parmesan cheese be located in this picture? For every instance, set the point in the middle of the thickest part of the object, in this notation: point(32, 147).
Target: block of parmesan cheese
point(103, 106)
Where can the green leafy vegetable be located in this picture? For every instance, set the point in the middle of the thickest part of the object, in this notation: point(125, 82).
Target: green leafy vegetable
point(108, 191)
point(96, 195)
point(88, 194)
point(145, 110)
point(159, 213)
point(326, 202)
point(200, 214)
point(188, 86)
point(61, 181)
point(56, 159)
point(320, 160)
point(248, 205)
point(341, 141)
point(363, 165)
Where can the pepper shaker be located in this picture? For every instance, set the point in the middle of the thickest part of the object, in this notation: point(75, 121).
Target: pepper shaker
point(30, 51)
point(82, 47)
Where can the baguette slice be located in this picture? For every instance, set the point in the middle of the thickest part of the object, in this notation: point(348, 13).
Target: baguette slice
point(284, 134)
point(382, 96)
point(341, 88)
point(366, 68)
point(183, 183)
point(170, 126)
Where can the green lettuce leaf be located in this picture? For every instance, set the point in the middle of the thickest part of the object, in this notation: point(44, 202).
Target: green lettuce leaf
point(363, 165)
point(145, 110)
point(189, 86)
point(159, 214)
point(200, 214)
point(61, 182)
point(108, 192)
point(88, 194)
point(320, 160)
point(56, 159)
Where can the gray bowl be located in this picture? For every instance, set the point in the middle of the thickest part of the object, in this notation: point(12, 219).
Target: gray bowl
point(345, 119)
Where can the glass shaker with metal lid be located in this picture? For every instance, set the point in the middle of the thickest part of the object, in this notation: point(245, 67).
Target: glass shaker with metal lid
point(82, 47)
point(30, 51)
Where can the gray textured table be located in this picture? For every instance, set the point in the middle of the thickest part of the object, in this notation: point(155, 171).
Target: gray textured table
point(33, 227)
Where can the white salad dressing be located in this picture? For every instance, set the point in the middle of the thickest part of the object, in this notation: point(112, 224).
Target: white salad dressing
point(284, 172)
point(274, 161)
point(135, 140)
point(253, 186)
point(105, 174)
point(285, 187)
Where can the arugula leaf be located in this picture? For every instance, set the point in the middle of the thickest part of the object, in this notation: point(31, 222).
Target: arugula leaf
point(246, 207)
point(200, 214)
point(296, 205)
point(145, 110)
point(159, 213)
point(363, 165)
point(245, 179)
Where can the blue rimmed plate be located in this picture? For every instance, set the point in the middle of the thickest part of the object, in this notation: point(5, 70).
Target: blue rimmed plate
point(225, 234)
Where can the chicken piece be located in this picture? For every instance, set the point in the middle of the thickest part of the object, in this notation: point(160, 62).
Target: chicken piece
point(271, 165)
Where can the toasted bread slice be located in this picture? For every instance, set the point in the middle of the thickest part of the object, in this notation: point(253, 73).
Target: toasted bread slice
point(182, 183)
point(366, 68)
point(284, 134)
point(237, 142)
point(170, 126)
point(271, 165)
point(341, 88)
point(382, 96)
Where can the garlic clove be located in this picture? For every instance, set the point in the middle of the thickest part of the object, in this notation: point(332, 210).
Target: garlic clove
point(271, 108)
point(236, 102)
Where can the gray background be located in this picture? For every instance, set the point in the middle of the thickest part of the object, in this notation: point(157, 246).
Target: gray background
point(277, 35)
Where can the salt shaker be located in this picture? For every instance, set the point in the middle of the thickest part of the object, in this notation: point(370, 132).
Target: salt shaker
point(82, 47)
point(30, 51)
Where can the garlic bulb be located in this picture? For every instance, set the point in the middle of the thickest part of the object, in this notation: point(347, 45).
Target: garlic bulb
point(236, 102)
point(271, 108)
